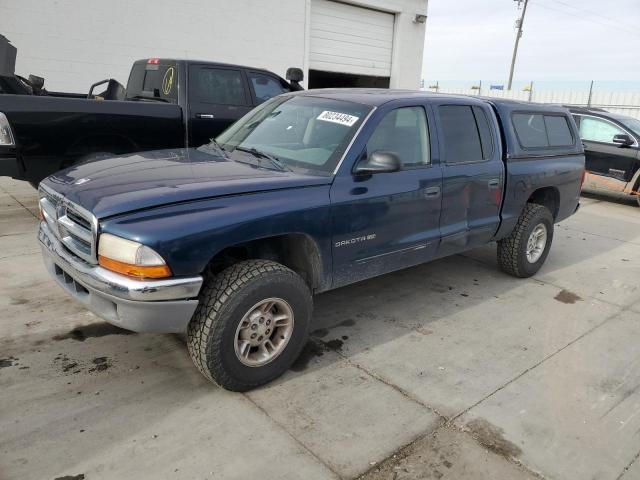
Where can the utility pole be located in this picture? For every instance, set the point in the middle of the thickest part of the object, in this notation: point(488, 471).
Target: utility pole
point(519, 23)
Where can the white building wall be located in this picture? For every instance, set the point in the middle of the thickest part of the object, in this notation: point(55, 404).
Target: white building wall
point(73, 43)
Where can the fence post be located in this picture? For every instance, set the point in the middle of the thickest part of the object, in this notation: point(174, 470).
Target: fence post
point(530, 90)
point(590, 93)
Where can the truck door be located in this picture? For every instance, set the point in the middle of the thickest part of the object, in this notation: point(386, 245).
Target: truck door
point(473, 176)
point(217, 96)
point(387, 221)
point(602, 156)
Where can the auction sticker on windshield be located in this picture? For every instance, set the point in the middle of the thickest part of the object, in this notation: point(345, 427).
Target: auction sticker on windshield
point(337, 117)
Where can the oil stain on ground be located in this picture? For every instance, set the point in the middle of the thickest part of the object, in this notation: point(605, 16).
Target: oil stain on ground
point(71, 477)
point(492, 438)
point(565, 296)
point(101, 329)
point(310, 351)
point(101, 364)
point(320, 333)
point(314, 349)
point(6, 362)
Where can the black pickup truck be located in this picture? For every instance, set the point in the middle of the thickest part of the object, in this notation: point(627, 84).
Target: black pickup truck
point(167, 103)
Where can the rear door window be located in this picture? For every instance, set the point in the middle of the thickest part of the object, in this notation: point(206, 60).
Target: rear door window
point(265, 86)
point(537, 130)
point(461, 137)
point(486, 137)
point(220, 86)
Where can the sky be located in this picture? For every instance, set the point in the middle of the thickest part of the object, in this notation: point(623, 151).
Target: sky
point(564, 42)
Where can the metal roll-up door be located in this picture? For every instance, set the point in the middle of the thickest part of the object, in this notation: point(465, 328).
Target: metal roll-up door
point(350, 39)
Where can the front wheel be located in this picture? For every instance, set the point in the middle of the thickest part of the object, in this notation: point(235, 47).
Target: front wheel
point(250, 325)
point(523, 252)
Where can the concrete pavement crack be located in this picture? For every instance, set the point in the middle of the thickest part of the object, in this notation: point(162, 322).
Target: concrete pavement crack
point(551, 355)
point(443, 421)
point(629, 465)
point(293, 437)
point(21, 204)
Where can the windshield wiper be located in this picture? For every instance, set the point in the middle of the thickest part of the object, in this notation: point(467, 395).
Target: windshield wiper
point(214, 145)
point(273, 159)
point(142, 97)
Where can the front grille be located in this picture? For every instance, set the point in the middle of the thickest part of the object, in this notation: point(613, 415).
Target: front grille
point(74, 226)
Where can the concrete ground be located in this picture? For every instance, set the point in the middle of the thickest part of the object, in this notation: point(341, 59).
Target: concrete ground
point(448, 370)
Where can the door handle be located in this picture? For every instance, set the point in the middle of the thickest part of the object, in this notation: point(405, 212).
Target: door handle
point(494, 183)
point(208, 116)
point(432, 192)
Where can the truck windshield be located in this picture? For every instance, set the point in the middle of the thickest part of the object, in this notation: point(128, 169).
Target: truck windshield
point(149, 81)
point(303, 132)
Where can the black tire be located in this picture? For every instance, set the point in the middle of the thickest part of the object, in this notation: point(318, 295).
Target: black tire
point(512, 256)
point(224, 300)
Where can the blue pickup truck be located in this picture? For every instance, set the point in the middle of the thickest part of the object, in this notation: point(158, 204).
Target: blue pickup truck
point(307, 192)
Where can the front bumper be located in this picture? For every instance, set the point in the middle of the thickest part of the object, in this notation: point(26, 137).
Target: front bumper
point(139, 305)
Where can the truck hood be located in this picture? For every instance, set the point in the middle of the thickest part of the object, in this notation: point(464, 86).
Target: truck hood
point(126, 183)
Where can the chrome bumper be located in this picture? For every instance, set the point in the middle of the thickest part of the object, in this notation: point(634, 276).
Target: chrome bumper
point(138, 305)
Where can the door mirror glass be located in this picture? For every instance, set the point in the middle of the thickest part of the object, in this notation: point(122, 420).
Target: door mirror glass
point(623, 140)
point(379, 161)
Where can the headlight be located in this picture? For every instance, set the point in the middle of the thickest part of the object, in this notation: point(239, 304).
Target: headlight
point(6, 137)
point(130, 258)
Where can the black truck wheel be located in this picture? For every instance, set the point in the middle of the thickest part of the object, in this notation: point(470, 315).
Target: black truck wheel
point(250, 325)
point(523, 252)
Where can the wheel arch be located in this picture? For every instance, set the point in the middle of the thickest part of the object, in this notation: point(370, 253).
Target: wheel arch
point(297, 251)
point(547, 197)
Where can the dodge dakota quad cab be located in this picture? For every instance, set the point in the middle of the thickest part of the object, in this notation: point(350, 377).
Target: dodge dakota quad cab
point(167, 104)
point(308, 192)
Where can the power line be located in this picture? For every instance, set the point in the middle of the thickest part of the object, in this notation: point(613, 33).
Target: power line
point(597, 14)
point(586, 19)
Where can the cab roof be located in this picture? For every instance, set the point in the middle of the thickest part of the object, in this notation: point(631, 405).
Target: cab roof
point(378, 96)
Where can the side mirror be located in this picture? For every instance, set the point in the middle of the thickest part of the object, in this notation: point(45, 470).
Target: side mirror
point(295, 76)
point(623, 140)
point(379, 161)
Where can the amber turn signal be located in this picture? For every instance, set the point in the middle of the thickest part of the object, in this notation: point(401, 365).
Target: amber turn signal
point(139, 272)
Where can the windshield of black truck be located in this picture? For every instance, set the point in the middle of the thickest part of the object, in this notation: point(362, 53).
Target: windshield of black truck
point(304, 132)
point(149, 81)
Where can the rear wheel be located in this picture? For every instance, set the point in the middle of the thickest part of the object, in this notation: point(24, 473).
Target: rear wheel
point(523, 252)
point(250, 325)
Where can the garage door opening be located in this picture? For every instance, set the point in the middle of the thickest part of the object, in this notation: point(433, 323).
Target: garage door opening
point(320, 79)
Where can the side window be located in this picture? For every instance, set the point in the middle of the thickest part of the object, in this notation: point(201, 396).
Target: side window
point(265, 86)
point(486, 138)
point(404, 132)
point(460, 134)
point(217, 85)
point(598, 130)
point(530, 130)
point(535, 130)
point(558, 131)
